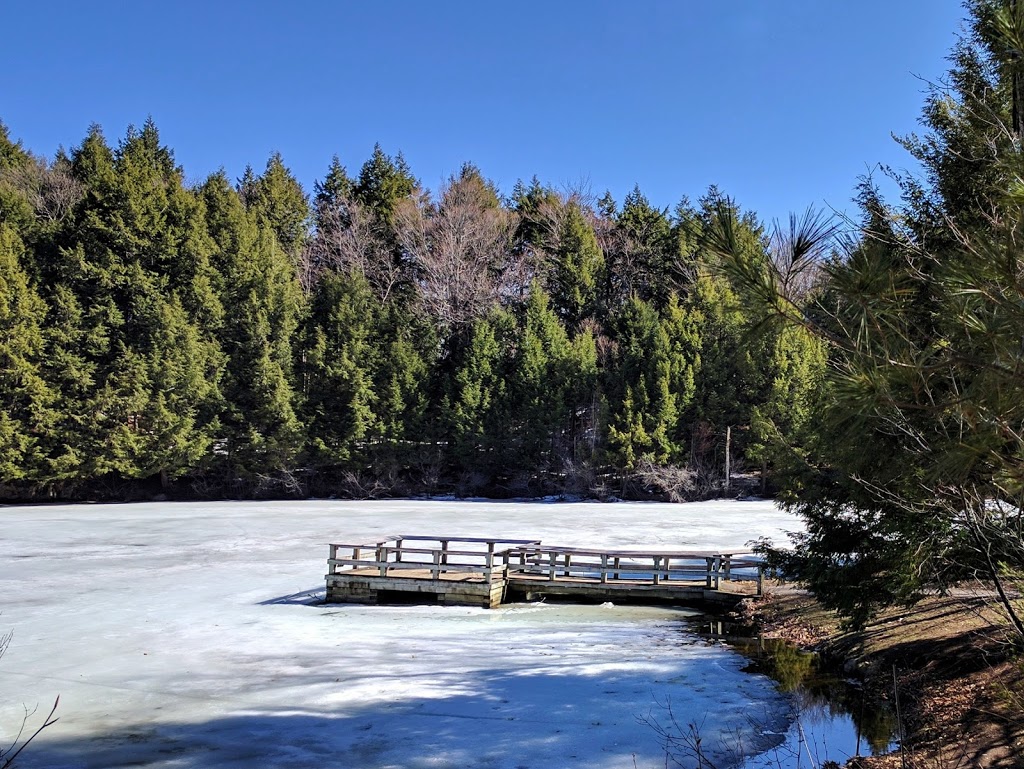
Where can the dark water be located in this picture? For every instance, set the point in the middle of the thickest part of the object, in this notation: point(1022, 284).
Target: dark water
point(832, 718)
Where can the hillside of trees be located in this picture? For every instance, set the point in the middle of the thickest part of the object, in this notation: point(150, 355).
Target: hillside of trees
point(244, 338)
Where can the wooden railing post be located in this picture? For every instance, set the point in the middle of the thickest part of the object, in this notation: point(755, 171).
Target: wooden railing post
point(657, 570)
point(728, 567)
point(435, 570)
point(604, 568)
point(382, 559)
point(333, 567)
point(444, 552)
point(711, 565)
point(568, 564)
point(552, 558)
point(616, 575)
point(398, 550)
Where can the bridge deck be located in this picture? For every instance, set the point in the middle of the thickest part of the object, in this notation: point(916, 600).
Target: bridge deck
point(486, 572)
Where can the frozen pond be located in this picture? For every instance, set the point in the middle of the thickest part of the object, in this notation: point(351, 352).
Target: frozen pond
point(188, 635)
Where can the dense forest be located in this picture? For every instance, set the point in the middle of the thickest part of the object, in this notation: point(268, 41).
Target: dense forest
point(244, 338)
point(373, 337)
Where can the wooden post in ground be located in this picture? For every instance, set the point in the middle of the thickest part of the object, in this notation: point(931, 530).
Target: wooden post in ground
point(728, 446)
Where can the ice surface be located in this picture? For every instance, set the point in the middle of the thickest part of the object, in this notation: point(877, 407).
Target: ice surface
point(189, 635)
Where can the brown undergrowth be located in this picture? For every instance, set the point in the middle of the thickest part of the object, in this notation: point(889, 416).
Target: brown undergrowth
point(958, 681)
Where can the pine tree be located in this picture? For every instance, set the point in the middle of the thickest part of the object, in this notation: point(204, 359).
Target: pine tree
point(26, 399)
point(135, 257)
point(339, 403)
point(578, 272)
point(406, 353)
point(914, 476)
point(383, 182)
point(643, 402)
point(642, 263)
point(335, 189)
point(543, 385)
point(277, 198)
point(475, 411)
point(261, 297)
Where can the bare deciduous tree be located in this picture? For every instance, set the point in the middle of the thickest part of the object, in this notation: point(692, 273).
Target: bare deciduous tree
point(347, 239)
point(9, 754)
point(51, 189)
point(462, 250)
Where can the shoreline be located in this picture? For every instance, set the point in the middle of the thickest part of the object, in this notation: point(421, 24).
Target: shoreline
point(944, 661)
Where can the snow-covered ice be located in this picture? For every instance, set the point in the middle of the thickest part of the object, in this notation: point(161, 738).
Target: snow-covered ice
point(190, 635)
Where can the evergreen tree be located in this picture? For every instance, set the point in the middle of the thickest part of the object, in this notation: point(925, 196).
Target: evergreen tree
point(578, 271)
point(26, 399)
point(261, 297)
point(406, 355)
point(277, 198)
point(475, 411)
point(782, 426)
point(383, 182)
point(339, 402)
point(543, 385)
point(915, 476)
point(644, 404)
point(135, 257)
point(642, 263)
point(335, 189)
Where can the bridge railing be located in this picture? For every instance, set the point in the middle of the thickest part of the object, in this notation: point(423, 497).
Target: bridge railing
point(438, 555)
point(656, 567)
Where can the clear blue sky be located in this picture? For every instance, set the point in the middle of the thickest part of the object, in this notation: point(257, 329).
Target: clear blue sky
point(781, 103)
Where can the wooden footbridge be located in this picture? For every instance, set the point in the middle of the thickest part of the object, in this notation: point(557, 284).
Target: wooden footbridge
point(489, 572)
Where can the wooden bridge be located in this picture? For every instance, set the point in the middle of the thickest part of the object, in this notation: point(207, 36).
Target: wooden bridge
point(489, 572)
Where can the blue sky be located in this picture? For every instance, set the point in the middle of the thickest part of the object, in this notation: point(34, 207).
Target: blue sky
point(781, 103)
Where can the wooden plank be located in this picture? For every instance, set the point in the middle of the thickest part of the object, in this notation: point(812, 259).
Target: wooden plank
point(505, 543)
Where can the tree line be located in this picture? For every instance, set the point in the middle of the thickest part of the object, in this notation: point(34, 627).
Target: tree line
point(373, 337)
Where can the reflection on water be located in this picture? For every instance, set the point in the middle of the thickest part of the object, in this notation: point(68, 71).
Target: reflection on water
point(832, 718)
